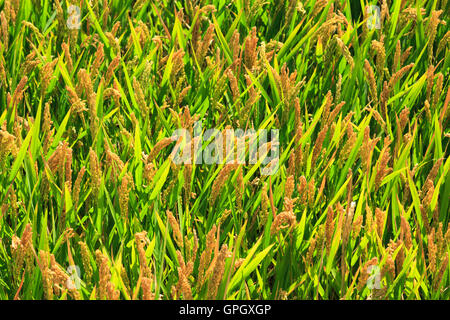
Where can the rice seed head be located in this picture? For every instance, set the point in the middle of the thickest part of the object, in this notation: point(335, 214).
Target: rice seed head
point(47, 281)
point(8, 145)
point(23, 252)
point(311, 191)
point(431, 177)
point(111, 68)
point(187, 181)
point(67, 56)
point(68, 166)
point(318, 7)
point(432, 252)
point(318, 144)
point(147, 293)
point(30, 63)
point(204, 44)
point(345, 52)
point(366, 149)
point(438, 89)
point(85, 257)
point(77, 105)
point(298, 136)
point(61, 279)
point(99, 57)
point(425, 220)
point(337, 97)
point(311, 248)
point(4, 30)
point(301, 189)
point(327, 107)
point(405, 232)
point(289, 187)
point(19, 91)
point(380, 218)
point(233, 85)
point(384, 97)
point(114, 162)
point(405, 56)
point(264, 208)
point(347, 228)
point(404, 118)
point(440, 242)
point(283, 220)
point(320, 237)
point(369, 219)
point(427, 110)
point(141, 240)
point(378, 47)
point(206, 256)
point(140, 97)
point(431, 31)
point(357, 225)
point(250, 53)
point(111, 292)
point(364, 274)
point(389, 266)
point(333, 115)
point(443, 43)
point(77, 186)
point(349, 144)
point(447, 235)
point(124, 195)
point(3, 78)
point(382, 169)
point(329, 228)
point(398, 75)
point(397, 56)
point(440, 274)
point(219, 269)
point(220, 181)
point(240, 188)
point(235, 48)
point(158, 147)
point(175, 228)
point(86, 84)
point(430, 81)
point(46, 74)
point(96, 173)
point(426, 201)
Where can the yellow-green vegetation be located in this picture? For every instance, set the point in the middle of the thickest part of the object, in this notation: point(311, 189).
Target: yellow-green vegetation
point(92, 207)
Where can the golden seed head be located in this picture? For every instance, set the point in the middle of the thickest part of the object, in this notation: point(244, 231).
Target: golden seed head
point(440, 274)
point(206, 255)
point(432, 251)
point(356, 228)
point(147, 293)
point(96, 173)
point(124, 195)
point(141, 240)
point(175, 228)
point(219, 269)
point(380, 217)
point(85, 256)
point(406, 233)
point(104, 274)
point(329, 228)
point(318, 144)
point(364, 274)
